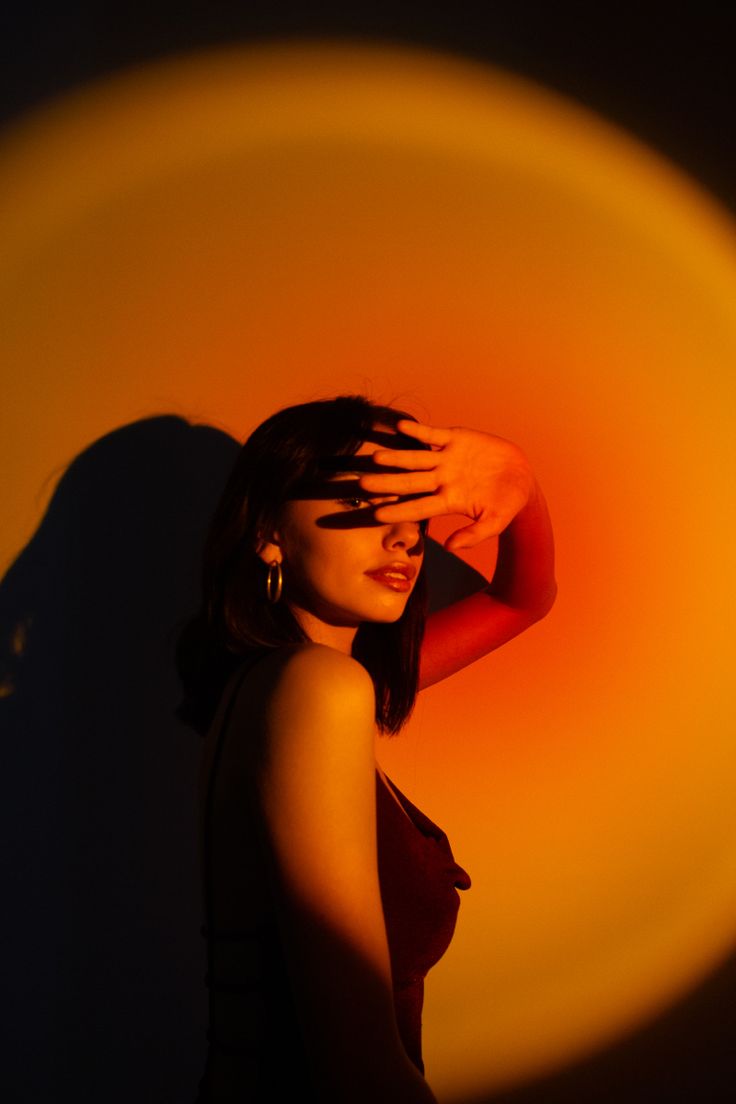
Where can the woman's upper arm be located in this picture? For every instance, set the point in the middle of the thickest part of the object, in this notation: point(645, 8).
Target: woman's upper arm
point(464, 632)
point(316, 791)
point(522, 591)
point(316, 788)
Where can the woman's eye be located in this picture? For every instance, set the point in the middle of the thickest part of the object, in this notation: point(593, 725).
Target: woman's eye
point(354, 503)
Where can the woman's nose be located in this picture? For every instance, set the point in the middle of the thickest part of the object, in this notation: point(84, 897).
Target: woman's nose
point(403, 534)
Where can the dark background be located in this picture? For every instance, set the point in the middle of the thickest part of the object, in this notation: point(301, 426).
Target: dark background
point(667, 75)
point(664, 72)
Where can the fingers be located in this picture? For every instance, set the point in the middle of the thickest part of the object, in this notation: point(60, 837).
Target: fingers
point(462, 538)
point(469, 536)
point(395, 484)
point(431, 435)
point(419, 509)
point(406, 458)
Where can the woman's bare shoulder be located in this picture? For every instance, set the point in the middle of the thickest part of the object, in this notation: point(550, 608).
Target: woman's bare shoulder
point(319, 679)
point(308, 663)
point(304, 681)
point(310, 660)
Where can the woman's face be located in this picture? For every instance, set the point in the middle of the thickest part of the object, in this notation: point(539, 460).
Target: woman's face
point(336, 560)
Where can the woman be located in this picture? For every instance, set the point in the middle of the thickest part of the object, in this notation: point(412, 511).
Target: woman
point(328, 895)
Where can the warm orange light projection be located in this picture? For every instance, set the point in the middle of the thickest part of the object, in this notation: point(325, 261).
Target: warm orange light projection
point(222, 235)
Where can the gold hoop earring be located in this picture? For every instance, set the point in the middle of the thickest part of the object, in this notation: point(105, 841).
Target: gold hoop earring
point(273, 589)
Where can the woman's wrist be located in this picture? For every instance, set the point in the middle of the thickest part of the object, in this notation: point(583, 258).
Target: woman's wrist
point(524, 576)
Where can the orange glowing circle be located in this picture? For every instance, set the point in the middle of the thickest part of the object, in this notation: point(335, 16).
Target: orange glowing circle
point(223, 234)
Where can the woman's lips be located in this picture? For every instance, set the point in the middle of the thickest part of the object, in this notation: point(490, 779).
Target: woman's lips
point(397, 577)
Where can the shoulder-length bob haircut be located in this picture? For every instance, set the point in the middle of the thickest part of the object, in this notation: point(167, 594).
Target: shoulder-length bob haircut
point(236, 622)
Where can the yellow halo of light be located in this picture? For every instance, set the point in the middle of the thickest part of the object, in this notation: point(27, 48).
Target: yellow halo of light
point(222, 234)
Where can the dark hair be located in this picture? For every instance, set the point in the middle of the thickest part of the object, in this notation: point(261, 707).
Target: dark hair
point(236, 621)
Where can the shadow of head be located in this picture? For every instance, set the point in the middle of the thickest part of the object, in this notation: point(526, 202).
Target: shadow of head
point(99, 834)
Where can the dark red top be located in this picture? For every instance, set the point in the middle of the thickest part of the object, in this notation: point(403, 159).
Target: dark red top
point(254, 1035)
point(419, 881)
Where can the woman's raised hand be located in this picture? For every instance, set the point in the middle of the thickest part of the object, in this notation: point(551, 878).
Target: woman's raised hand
point(483, 477)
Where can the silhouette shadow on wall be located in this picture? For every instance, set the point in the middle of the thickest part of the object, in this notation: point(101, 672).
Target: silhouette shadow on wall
point(103, 986)
point(102, 909)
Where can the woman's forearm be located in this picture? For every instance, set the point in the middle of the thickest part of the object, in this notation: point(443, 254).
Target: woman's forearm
point(524, 578)
point(522, 591)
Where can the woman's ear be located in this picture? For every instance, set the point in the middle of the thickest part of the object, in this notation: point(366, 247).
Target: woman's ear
point(269, 550)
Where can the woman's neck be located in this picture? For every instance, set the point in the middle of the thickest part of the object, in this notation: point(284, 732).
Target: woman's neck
point(339, 637)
